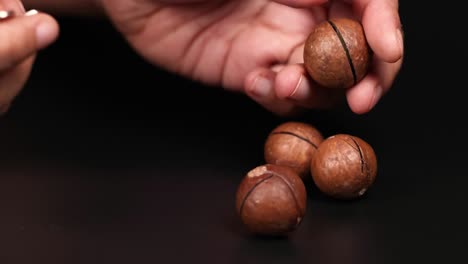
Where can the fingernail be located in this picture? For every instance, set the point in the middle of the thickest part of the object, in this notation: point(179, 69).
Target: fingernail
point(399, 39)
point(302, 89)
point(45, 34)
point(4, 14)
point(378, 90)
point(31, 12)
point(262, 87)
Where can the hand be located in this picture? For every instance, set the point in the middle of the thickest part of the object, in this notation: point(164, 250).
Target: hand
point(255, 46)
point(21, 35)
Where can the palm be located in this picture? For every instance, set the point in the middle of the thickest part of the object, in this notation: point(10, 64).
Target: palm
point(216, 42)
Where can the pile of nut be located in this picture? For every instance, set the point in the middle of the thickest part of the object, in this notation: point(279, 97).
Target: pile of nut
point(271, 199)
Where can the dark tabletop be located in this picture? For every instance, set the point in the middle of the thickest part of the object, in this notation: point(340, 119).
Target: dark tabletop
point(106, 159)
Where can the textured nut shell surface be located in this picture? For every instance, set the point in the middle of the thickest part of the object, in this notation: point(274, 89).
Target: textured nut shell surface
point(293, 144)
point(344, 166)
point(325, 58)
point(355, 39)
point(271, 200)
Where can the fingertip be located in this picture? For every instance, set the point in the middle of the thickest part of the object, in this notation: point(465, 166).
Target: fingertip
point(47, 29)
point(363, 97)
point(259, 86)
point(294, 85)
point(259, 83)
point(35, 30)
point(382, 26)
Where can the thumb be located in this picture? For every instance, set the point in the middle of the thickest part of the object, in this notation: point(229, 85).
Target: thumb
point(301, 3)
point(24, 35)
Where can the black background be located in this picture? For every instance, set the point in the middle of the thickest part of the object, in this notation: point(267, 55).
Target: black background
point(106, 159)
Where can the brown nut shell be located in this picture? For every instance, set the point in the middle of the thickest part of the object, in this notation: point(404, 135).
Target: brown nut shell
point(336, 53)
point(344, 167)
point(293, 144)
point(271, 200)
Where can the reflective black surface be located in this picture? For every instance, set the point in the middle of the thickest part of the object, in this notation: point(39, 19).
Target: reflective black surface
point(107, 160)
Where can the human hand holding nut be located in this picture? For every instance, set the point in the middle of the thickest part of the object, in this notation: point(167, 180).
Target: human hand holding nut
point(256, 46)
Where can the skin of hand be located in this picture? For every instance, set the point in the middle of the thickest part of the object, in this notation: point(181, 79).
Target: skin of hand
point(256, 46)
point(22, 36)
